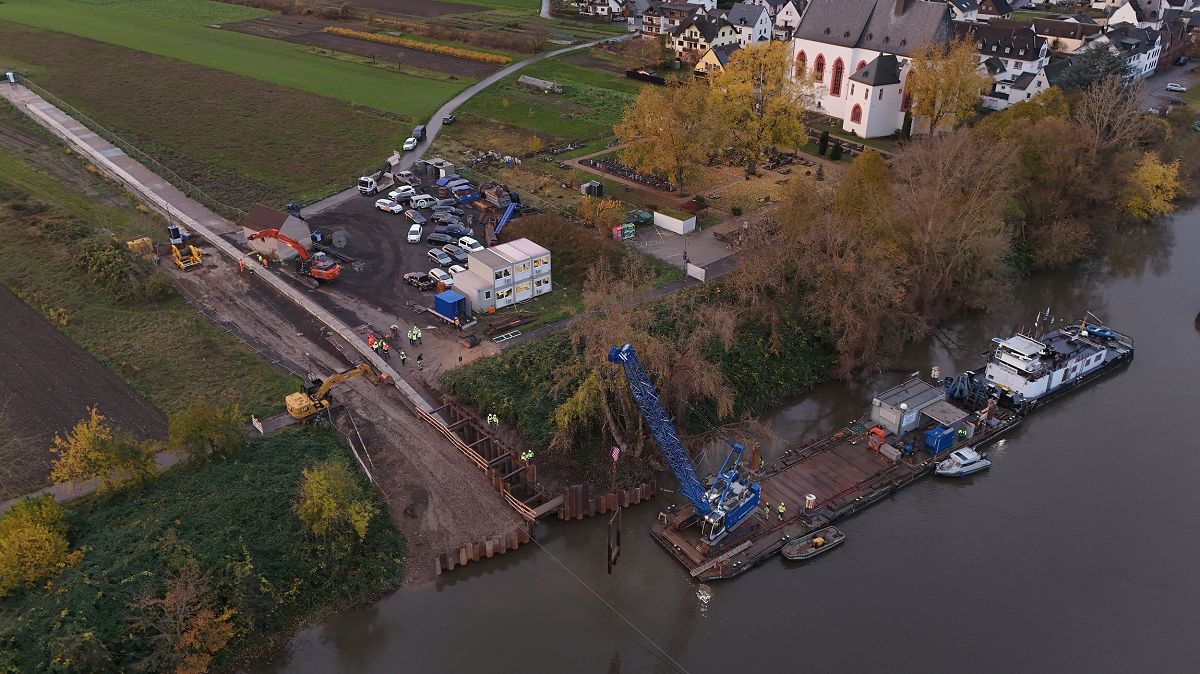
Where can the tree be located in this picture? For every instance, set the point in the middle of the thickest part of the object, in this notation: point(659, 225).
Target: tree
point(663, 136)
point(182, 628)
point(333, 502)
point(823, 143)
point(1049, 104)
point(951, 193)
point(757, 101)
point(33, 543)
point(535, 144)
point(204, 429)
point(1153, 186)
point(1110, 113)
point(601, 212)
point(94, 449)
point(865, 194)
point(835, 151)
point(1094, 65)
point(945, 83)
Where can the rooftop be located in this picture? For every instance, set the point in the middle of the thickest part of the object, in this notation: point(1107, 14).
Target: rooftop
point(886, 26)
point(914, 393)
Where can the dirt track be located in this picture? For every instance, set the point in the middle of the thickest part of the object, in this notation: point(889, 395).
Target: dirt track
point(48, 383)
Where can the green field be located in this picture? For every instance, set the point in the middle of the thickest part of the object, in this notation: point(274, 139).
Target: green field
point(142, 342)
point(180, 30)
point(232, 518)
point(534, 6)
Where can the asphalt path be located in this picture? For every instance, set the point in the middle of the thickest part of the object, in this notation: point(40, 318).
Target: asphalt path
point(434, 125)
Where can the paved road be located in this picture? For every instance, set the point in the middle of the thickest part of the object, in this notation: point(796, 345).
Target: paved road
point(434, 125)
point(546, 9)
point(1154, 88)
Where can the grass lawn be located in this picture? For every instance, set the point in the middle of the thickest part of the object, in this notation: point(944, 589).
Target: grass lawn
point(240, 140)
point(233, 518)
point(534, 6)
point(180, 30)
point(142, 342)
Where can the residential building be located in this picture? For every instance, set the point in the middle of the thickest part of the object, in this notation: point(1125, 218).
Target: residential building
point(699, 34)
point(1065, 36)
point(1013, 55)
point(1176, 37)
point(634, 10)
point(994, 9)
point(1140, 47)
point(505, 274)
point(751, 22)
point(662, 18)
point(715, 59)
point(1141, 13)
point(602, 7)
point(706, 5)
point(787, 18)
point(261, 217)
point(837, 38)
point(964, 10)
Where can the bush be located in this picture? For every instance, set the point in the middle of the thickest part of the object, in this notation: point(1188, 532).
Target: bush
point(823, 143)
point(203, 429)
point(33, 543)
point(736, 210)
point(157, 287)
point(835, 152)
point(111, 267)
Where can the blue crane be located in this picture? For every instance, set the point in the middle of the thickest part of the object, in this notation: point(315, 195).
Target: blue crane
point(731, 498)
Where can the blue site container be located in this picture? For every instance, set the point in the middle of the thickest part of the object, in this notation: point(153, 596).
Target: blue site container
point(450, 304)
point(939, 439)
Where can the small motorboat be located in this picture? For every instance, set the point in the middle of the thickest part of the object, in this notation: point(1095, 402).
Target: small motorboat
point(962, 462)
point(813, 544)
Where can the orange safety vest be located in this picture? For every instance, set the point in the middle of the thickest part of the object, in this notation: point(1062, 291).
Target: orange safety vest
point(385, 346)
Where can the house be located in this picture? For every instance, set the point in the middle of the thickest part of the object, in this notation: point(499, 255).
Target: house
point(838, 38)
point(773, 7)
point(1013, 54)
point(1067, 37)
point(787, 17)
point(875, 93)
point(1141, 13)
point(715, 59)
point(260, 217)
point(605, 8)
point(706, 5)
point(664, 17)
point(505, 274)
point(964, 10)
point(751, 22)
point(1176, 37)
point(1140, 47)
point(700, 33)
point(994, 9)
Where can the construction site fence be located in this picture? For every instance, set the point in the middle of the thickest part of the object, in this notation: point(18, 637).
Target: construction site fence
point(579, 501)
point(193, 191)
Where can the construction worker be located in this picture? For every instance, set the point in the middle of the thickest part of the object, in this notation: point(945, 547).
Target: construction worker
point(493, 420)
point(412, 336)
point(241, 264)
point(420, 361)
point(762, 463)
point(767, 510)
point(371, 341)
point(418, 335)
point(403, 357)
point(263, 260)
point(384, 348)
point(781, 510)
point(395, 329)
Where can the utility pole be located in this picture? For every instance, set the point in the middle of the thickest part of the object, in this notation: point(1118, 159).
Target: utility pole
point(614, 522)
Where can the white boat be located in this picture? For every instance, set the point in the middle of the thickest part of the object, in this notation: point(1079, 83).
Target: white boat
point(962, 462)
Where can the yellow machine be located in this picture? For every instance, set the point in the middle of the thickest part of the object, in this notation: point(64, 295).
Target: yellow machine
point(192, 259)
point(315, 396)
point(143, 248)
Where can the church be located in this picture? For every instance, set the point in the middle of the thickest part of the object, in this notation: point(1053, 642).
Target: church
point(857, 54)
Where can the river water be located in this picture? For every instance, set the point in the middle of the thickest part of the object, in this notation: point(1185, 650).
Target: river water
point(1077, 551)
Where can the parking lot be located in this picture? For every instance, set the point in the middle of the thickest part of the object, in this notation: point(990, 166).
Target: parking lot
point(376, 240)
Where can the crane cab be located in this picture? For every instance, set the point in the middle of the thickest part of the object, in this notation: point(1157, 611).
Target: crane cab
point(302, 405)
point(731, 507)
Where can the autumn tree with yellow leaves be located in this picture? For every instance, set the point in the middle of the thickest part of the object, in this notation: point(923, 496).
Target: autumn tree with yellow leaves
point(1152, 188)
point(601, 212)
point(33, 543)
point(95, 449)
point(669, 130)
point(333, 502)
point(945, 83)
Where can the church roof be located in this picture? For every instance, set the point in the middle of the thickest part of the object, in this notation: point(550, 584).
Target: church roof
point(882, 70)
point(893, 26)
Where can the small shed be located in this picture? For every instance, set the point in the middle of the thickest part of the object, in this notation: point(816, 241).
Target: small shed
point(451, 305)
point(898, 409)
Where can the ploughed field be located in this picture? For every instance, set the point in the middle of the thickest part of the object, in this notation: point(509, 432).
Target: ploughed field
point(49, 382)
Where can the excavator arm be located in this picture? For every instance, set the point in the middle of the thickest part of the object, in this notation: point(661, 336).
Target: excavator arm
point(362, 370)
point(285, 240)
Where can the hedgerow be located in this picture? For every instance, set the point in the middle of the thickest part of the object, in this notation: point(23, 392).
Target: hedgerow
point(442, 49)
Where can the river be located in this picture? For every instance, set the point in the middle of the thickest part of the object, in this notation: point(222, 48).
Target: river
point(1075, 552)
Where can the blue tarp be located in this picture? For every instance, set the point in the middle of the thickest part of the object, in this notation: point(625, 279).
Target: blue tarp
point(450, 304)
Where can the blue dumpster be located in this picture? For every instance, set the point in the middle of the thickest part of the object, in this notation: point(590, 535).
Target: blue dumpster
point(938, 439)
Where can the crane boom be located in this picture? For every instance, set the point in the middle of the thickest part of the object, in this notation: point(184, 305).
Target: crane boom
point(652, 409)
point(731, 499)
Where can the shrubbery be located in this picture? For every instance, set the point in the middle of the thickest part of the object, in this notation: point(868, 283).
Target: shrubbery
point(420, 46)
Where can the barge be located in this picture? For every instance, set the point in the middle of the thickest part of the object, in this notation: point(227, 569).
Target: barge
point(909, 429)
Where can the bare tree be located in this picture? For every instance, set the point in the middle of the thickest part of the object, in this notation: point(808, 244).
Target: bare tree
point(1110, 115)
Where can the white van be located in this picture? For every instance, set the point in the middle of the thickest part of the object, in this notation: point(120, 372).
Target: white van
point(414, 234)
point(401, 193)
point(422, 201)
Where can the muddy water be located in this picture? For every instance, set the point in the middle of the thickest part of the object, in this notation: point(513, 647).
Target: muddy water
point(1076, 552)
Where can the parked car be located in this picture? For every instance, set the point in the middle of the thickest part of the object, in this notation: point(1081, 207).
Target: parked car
point(456, 269)
point(402, 192)
point(419, 132)
point(419, 280)
point(439, 238)
point(445, 202)
point(1181, 61)
point(455, 252)
point(1153, 111)
point(442, 276)
point(414, 233)
point(422, 201)
point(407, 176)
point(470, 245)
point(454, 230)
point(415, 217)
point(410, 144)
point(1175, 101)
point(438, 256)
point(447, 209)
point(1176, 87)
point(389, 206)
point(447, 119)
point(446, 219)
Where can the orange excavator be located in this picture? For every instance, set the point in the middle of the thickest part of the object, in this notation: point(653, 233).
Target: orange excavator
point(317, 267)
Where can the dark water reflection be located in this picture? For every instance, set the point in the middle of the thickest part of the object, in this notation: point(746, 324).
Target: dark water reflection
point(1076, 552)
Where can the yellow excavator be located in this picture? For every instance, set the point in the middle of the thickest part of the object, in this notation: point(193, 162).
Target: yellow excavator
point(315, 396)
